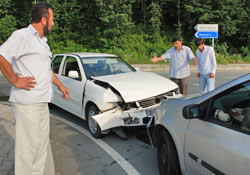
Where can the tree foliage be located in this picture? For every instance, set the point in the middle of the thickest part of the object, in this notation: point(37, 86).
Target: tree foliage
point(134, 28)
point(7, 24)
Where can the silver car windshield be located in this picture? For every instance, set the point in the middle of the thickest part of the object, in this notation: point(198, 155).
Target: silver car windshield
point(101, 66)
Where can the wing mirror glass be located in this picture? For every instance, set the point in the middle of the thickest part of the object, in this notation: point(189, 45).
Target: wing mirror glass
point(191, 111)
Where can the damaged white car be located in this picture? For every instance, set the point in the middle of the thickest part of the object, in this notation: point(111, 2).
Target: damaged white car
point(108, 92)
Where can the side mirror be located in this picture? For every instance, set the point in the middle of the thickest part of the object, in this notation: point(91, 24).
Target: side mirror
point(73, 74)
point(190, 111)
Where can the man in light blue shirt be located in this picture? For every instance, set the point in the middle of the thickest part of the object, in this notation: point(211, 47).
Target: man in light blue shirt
point(206, 66)
point(179, 56)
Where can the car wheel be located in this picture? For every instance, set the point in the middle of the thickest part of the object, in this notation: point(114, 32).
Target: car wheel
point(168, 161)
point(51, 106)
point(94, 128)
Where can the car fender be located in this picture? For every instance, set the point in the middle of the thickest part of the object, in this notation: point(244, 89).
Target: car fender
point(175, 125)
point(104, 98)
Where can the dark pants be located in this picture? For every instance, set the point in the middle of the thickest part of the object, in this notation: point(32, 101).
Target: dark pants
point(182, 83)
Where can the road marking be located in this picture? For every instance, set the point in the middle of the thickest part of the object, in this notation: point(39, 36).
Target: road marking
point(195, 84)
point(126, 166)
point(231, 77)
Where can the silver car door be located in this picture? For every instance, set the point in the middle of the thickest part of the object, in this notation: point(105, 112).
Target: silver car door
point(220, 144)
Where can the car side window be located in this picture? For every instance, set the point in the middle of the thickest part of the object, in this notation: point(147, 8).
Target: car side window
point(71, 65)
point(232, 108)
point(56, 63)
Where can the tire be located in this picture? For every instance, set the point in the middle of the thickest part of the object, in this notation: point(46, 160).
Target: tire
point(94, 128)
point(51, 106)
point(168, 162)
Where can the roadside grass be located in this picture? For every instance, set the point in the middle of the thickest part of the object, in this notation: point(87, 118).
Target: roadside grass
point(4, 98)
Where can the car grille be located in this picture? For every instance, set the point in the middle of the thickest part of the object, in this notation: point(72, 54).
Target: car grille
point(153, 100)
point(147, 102)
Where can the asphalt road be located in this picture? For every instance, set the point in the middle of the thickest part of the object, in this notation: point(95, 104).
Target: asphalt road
point(76, 153)
point(222, 77)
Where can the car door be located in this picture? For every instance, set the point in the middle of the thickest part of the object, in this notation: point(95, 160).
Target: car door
point(75, 85)
point(220, 144)
point(57, 64)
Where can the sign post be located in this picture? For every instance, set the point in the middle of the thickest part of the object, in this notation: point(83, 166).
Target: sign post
point(207, 31)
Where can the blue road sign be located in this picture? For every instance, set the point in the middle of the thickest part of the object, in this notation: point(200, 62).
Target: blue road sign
point(206, 34)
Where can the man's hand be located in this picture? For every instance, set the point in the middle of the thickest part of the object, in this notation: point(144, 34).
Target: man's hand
point(60, 86)
point(155, 59)
point(194, 61)
point(25, 83)
point(198, 75)
point(19, 82)
point(65, 92)
point(212, 75)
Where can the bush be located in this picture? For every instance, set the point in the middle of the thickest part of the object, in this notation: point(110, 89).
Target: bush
point(221, 59)
point(222, 49)
point(65, 47)
point(236, 58)
point(138, 48)
point(247, 59)
point(245, 52)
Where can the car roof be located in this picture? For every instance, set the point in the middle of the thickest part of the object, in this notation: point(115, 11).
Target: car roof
point(89, 54)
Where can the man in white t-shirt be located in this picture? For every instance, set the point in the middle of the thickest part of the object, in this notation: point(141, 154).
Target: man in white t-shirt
point(25, 60)
point(206, 66)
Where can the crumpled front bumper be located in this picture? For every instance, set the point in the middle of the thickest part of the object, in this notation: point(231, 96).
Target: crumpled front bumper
point(133, 117)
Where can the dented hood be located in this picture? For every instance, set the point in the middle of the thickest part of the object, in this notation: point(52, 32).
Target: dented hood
point(134, 86)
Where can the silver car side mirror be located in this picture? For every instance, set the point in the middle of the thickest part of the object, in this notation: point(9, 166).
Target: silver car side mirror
point(191, 111)
point(73, 74)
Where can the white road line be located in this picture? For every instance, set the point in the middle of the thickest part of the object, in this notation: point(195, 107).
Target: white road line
point(231, 77)
point(126, 166)
point(195, 84)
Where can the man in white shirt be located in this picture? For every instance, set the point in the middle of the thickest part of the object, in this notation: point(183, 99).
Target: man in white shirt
point(179, 56)
point(25, 60)
point(206, 66)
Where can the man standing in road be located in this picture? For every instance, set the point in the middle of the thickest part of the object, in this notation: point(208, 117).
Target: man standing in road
point(25, 61)
point(179, 56)
point(206, 65)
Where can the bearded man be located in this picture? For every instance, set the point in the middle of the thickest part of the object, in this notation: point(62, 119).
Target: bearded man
point(25, 61)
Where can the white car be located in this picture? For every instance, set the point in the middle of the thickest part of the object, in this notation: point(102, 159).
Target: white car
point(107, 91)
point(207, 134)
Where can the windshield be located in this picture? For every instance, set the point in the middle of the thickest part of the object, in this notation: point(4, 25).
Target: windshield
point(101, 66)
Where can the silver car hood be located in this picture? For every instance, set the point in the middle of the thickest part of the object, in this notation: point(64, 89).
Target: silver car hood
point(135, 86)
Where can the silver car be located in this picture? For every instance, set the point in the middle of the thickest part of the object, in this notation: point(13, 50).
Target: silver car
point(207, 134)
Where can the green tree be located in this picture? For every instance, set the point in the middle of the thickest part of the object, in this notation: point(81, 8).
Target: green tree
point(115, 18)
point(231, 15)
point(155, 20)
point(67, 18)
point(5, 7)
point(21, 10)
point(172, 12)
point(7, 24)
